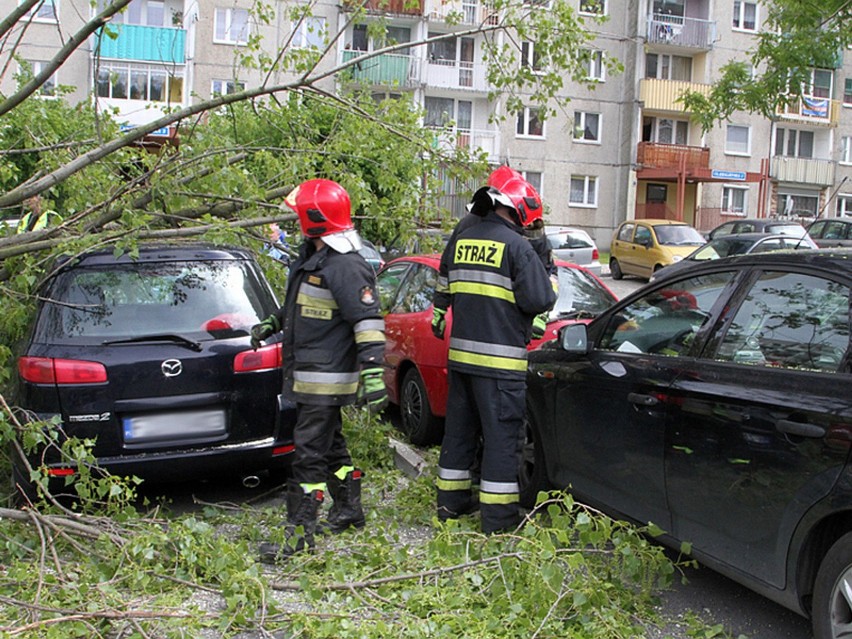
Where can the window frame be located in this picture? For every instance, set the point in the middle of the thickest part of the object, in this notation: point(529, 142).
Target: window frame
point(728, 129)
point(591, 186)
point(594, 64)
point(227, 14)
point(35, 14)
point(530, 57)
point(36, 67)
point(728, 190)
point(236, 85)
point(845, 149)
point(581, 124)
point(599, 3)
point(739, 16)
point(306, 37)
point(524, 119)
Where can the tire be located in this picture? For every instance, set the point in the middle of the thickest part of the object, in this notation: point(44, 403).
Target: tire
point(419, 424)
point(532, 473)
point(831, 614)
point(615, 269)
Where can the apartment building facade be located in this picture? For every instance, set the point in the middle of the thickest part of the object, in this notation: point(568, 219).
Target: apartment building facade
point(625, 149)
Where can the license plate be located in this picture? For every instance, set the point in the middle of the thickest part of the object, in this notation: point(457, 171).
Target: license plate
point(183, 425)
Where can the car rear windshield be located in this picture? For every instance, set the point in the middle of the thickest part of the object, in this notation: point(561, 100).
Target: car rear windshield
point(678, 235)
point(202, 299)
point(569, 241)
point(787, 229)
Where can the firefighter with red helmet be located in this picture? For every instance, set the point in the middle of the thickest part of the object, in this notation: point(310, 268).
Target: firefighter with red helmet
point(496, 285)
point(333, 344)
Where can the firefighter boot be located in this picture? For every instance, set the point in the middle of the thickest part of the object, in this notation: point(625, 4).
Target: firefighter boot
point(346, 509)
point(299, 533)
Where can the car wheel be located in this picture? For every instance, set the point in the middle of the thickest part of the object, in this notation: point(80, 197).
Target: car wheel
point(532, 474)
point(418, 422)
point(615, 269)
point(832, 605)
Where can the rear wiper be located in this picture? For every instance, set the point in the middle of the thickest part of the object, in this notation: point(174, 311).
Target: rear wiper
point(180, 340)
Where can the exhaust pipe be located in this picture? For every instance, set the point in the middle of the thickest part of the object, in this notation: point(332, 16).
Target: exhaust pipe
point(251, 481)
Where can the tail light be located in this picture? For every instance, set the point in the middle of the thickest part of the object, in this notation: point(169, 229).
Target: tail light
point(49, 370)
point(263, 359)
point(595, 254)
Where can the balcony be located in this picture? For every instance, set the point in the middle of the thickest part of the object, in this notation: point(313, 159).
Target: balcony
point(811, 110)
point(672, 156)
point(473, 140)
point(464, 12)
point(450, 74)
point(400, 7)
point(802, 170)
point(675, 31)
point(387, 70)
point(137, 42)
point(662, 95)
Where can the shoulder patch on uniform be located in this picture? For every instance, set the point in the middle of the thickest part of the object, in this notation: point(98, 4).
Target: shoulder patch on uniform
point(314, 279)
point(368, 296)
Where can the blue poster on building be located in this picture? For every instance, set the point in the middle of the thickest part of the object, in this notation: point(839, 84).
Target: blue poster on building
point(816, 107)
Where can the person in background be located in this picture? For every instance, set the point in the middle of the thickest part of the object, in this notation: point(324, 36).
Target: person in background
point(332, 356)
point(277, 247)
point(496, 285)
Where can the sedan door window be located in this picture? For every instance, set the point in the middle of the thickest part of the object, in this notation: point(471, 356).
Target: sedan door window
point(790, 320)
point(388, 282)
point(665, 320)
point(416, 294)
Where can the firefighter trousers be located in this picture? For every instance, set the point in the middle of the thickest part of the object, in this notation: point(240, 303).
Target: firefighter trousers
point(495, 408)
point(320, 446)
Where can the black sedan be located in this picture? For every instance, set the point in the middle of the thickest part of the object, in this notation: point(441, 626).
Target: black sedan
point(716, 404)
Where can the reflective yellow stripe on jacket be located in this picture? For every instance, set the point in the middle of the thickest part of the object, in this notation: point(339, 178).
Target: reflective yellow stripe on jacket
point(315, 296)
point(485, 283)
point(488, 355)
point(370, 331)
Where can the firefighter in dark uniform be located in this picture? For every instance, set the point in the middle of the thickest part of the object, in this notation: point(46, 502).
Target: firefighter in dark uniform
point(332, 352)
point(497, 285)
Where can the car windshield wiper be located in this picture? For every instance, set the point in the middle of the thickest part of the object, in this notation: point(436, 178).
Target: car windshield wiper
point(180, 340)
point(576, 314)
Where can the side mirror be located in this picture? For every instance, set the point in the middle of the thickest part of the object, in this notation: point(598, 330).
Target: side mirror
point(574, 338)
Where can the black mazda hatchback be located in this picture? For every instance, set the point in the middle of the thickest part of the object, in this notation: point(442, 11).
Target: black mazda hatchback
point(149, 355)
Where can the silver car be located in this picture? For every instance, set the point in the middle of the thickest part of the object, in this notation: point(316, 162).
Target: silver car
point(574, 245)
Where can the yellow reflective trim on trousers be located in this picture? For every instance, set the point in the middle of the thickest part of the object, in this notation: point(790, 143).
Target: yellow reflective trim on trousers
point(309, 488)
point(341, 472)
point(362, 337)
point(498, 498)
point(487, 361)
point(316, 302)
point(486, 290)
point(316, 388)
point(453, 484)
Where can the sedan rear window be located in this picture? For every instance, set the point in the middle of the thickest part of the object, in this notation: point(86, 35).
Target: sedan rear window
point(569, 241)
point(204, 299)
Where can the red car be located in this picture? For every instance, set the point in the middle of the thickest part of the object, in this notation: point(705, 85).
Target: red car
point(416, 361)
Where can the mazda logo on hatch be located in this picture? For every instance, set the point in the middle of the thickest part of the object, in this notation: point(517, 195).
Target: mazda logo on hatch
point(171, 367)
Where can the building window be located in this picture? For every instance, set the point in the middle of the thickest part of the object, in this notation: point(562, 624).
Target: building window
point(534, 178)
point(797, 204)
point(847, 92)
point(587, 126)
point(584, 190)
point(226, 87)
point(310, 33)
point(530, 57)
point(594, 65)
point(745, 16)
point(530, 124)
point(231, 26)
point(734, 199)
point(738, 140)
point(665, 131)
point(821, 83)
point(148, 13)
point(846, 149)
point(668, 67)
point(793, 143)
point(139, 82)
point(844, 206)
point(593, 7)
point(48, 88)
point(46, 11)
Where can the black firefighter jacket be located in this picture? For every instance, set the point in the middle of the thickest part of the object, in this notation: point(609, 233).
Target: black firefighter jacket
point(332, 326)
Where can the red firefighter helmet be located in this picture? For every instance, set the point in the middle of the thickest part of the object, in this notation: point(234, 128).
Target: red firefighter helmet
point(325, 211)
point(507, 187)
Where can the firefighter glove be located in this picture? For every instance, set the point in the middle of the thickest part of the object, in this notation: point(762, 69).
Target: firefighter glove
point(372, 392)
point(439, 322)
point(539, 325)
point(260, 332)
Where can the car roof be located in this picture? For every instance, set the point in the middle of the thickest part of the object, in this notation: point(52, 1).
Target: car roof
point(833, 260)
point(754, 236)
point(157, 253)
point(656, 222)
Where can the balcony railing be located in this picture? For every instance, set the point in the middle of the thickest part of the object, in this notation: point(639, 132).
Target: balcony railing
point(812, 110)
point(403, 7)
point(690, 33)
point(464, 12)
point(137, 42)
point(658, 156)
point(388, 69)
point(451, 74)
point(802, 170)
point(473, 140)
point(662, 95)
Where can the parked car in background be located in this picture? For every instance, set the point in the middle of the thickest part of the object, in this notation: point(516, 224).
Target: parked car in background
point(150, 356)
point(758, 225)
point(727, 245)
point(370, 253)
point(640, 247)
point(715, 404)
point(836, 231)
point(574, 245)
point(416, 361)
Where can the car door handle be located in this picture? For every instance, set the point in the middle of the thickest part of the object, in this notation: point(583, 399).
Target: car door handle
point(642, 400)
point(802, 429)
